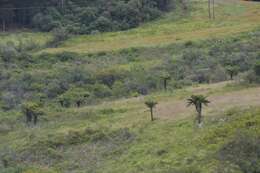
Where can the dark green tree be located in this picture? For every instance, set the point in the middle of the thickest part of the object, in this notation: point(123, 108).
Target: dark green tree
point(31, 112)
point(198, 101)
point(165, 77)
point(232, 71)
point(257, 68)
point(151, 105)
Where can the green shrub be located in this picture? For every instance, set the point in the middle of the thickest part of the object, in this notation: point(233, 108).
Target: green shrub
point(8, 52)
point(55, 87)
point(66, 56)
point(31, 110)
point(257, 68)
point(244, 152)
point(59, 35)
point(74, 97)
point(119, 89)
point(101, 91)
point(9, 101)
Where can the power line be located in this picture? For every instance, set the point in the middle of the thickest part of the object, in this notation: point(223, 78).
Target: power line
point(22, 8)
point(63, 3)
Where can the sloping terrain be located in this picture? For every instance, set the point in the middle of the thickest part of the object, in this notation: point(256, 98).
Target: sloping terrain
point(232, 17)
point(219, 103)
point(118, 136)
point(112, 131)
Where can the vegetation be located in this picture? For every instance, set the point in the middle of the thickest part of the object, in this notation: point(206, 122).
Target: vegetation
point(31, 112)
point(151, 105)
point(232, 71)
point(80, 17)
point(70, 79)
point(165, 77)
point(178, 26)
point(198, 101)
point(77, 103)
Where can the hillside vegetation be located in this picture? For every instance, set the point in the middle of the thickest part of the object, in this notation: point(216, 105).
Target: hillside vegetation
point(232, 17)
point(80, 17)
point(83, 103)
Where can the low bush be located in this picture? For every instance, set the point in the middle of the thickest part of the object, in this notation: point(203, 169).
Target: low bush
point(74, 97)
point(244, 152)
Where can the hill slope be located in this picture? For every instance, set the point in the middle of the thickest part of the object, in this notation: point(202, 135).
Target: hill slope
point(110, 130)
point(232, 17)
point(118, 136)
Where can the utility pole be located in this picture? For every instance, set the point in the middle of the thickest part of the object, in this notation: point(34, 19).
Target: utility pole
point(209, 8)
point(62, 3)
point(211, 5)
point(213, 9)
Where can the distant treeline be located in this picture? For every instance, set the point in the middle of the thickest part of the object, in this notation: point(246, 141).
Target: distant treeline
point(79, 16)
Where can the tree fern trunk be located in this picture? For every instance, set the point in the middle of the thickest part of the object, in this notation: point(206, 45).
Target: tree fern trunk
point(165, 84)
point(35, 119)
point(151, 114)
point(199, 111)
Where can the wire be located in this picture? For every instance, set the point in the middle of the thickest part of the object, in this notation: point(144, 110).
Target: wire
point(79, 3)
point(22, 8)
point(42, 7)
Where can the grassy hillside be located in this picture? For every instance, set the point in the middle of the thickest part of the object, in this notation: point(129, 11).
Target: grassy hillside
point(113, 74)
point(232, 17)
point(119, 137)
point(39, 39)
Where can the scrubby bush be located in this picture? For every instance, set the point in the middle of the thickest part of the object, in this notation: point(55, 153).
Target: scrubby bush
point(74, 96)
point(119, 89)
point(66, 56)
point(257, 68)
point(9, 101)
point(59, 35)
point(109, 77)
point(28, 45)
point(232, 71)
point(55, 87)
point(7, 157)
point(101, 91)
point(244, 152)
point(8, 52)
point(78, 75)
point(31, 110)
point(253, 76)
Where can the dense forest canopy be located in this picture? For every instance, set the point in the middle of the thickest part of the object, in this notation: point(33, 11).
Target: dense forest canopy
point(79, 16)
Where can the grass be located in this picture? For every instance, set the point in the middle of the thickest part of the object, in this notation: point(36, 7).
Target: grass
point(119, 137)
point(232, 17)
point(38, 38)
